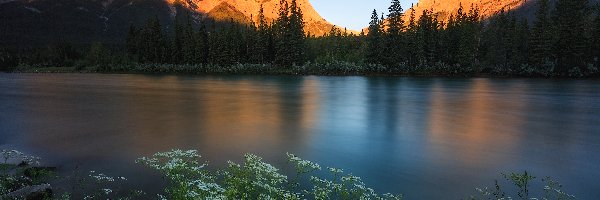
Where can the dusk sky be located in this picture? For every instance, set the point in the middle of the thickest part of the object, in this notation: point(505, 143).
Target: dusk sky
point(353, 14)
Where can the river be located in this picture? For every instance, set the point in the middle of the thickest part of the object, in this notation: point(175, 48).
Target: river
point(427, 138)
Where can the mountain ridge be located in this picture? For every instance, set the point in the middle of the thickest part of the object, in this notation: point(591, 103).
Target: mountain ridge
point(42, 21)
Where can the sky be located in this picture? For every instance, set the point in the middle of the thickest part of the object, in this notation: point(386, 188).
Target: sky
point(353, 14)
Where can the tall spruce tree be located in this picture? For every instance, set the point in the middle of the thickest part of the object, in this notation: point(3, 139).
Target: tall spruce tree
point(373, 51)
point(595, 44)
point(427, 37)
point(393, 37)
point(282, 35)
point(470, 29)
point(541, 36)
point(412, 39)
point(178, 38)
point(570, 47)
point(202, 44)
point(189, 53)
point(297, 36)
point(264, 39)
point(495, 46)
point(152, 42)
point(520, 42)
point(131, 42)
point(252, 46)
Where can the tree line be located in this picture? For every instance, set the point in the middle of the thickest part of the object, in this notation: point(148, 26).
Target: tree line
point(281, 42)
point(563, 40)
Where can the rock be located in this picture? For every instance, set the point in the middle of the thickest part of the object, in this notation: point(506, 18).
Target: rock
point(34, 192)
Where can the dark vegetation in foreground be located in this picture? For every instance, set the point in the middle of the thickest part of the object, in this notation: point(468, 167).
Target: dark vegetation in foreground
point(189, 178)
point(563, 41)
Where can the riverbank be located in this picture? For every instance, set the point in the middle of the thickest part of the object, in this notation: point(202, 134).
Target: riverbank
point(189, 178)
point(328, 69)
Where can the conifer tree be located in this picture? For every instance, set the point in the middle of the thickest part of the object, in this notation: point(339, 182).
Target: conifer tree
point(297, 36)
point(520, 45)
point(282, 35)
point(426, 37)
point(178, 38)
point(412, 46)
point(470, 36)
point(152, 42)
point(570, 47)
point(496, 43)
point(595, 49)
point(264, 38)
point(541, 36)
point(132, 40)
point(451, 40)
point(202, 45)
point(372, 54)
point(393, 37)
point(189, 43)
point(252, 45)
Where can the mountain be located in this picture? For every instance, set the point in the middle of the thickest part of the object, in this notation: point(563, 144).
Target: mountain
point(37, 22)
point(488, 8)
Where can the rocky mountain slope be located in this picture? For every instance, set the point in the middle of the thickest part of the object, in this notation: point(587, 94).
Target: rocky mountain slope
point(81, 21)
point(443, 8)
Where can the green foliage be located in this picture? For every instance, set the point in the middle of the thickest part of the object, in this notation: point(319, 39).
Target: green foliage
point(188, 178)
point(19, 170)
point(254, 179)
point(191, 178)
point(522, 181)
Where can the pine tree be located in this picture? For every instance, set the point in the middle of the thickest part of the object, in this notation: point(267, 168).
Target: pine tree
point(152, 42)
point(496, 43)
point(595, 44)
point(189, 43)
point(426, 41)
point(131, 42)
point(520, 45)
point(372, 54)
point(96, 55)
point(202, 45)
point(412, 40)
point(469, 30)
point(263, 39)
point(570, 47)
point(395, 21)
point(282, 34)
point(178, 39)
point(541, 36)
point(296, 31)
point(393, 37)
point(252, 45)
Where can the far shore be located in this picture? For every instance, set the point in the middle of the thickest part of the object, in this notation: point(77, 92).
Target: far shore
point(271, 71)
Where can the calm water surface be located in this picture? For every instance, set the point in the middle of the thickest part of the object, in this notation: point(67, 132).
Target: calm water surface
point(427, 138)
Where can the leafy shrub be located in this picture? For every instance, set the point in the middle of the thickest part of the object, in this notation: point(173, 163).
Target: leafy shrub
point(19, 170)
point(254, 179)
point(522, 182)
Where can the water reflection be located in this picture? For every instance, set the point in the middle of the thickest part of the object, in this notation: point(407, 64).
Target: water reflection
point(413, 133)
